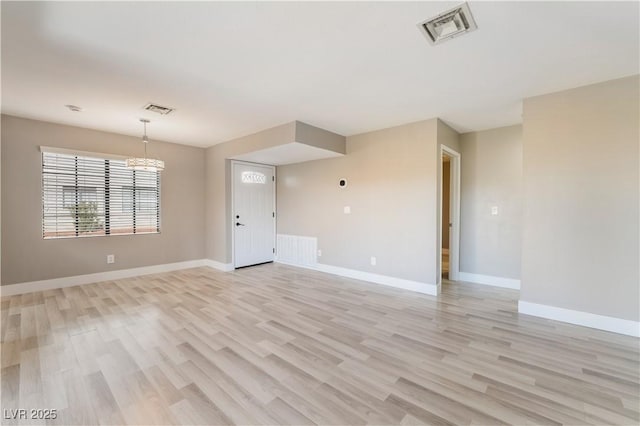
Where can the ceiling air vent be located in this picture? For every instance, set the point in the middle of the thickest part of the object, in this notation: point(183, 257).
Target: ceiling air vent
point(162, 110)
point(447, 25)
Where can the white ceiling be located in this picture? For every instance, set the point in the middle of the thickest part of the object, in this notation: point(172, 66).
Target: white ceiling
point(288, 153)
point(231, 69)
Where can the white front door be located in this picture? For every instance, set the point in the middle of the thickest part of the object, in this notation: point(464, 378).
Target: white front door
point(253, 213)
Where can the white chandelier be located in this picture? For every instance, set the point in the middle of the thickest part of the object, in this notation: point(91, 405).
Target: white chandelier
point(148, 164)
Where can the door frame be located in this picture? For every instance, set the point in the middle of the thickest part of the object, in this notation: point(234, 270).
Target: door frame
point(454, 214)
point(233, 207)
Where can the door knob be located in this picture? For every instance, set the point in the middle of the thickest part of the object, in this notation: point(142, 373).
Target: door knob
point(239, 224)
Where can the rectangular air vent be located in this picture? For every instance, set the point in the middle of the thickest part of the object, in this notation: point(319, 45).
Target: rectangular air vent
point(447, 25)
point(158, 109)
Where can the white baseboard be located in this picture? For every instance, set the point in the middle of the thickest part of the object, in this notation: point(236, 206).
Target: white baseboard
point(601, 322)
point(31, 286)
point(431, 289)
point(224, 267)
point(489, 280)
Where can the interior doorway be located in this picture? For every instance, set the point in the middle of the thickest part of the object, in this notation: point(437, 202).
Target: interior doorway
point(446, 214)
point(253, 209)
point(450, 214)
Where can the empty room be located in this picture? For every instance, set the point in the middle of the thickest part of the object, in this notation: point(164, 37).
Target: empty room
point(320, 213)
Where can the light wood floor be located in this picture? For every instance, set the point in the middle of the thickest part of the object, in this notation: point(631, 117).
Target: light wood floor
point(276, 344)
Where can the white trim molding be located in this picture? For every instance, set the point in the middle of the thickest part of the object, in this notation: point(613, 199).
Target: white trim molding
point(425, 288)
point(587, 319)
point(454, 212)
point(31, 286)
point(56, 150)
point(490, 280)
point(224, 267)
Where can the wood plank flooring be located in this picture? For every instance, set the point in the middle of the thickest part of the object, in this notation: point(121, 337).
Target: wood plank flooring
point(279, 345)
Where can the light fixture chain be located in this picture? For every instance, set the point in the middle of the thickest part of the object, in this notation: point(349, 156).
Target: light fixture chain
point(145, 163)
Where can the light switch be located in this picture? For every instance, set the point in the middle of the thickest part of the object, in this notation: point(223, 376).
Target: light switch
point(347, 210)
point(494, 210)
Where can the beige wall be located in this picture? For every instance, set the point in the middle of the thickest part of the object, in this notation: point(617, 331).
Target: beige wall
point(491, 176)
point(320, 138)
point(581, 218)
point(27, 257)
point(393, 177)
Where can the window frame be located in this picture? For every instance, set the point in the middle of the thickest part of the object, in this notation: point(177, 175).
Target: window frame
point(107, 225)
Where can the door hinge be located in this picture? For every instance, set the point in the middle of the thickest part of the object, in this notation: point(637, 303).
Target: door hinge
point(273, 214)
point(274, 251)
point(273, 178)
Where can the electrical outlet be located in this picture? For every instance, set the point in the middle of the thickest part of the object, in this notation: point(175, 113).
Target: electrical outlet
point(494, 210)
point(111, 258)
point(373, 261)
point(319, 253)
point(347, 210)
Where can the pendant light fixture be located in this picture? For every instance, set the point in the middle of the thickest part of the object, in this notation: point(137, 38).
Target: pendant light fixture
point(148, 164)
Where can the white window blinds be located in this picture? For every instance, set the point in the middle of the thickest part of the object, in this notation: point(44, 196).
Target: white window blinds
point(85, 196)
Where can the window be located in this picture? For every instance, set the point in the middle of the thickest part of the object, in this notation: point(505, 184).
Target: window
point(253, 177)
point(144, 200)
point(86, 196)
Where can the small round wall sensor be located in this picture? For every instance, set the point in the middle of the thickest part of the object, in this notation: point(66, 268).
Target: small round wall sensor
point(342, 183)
